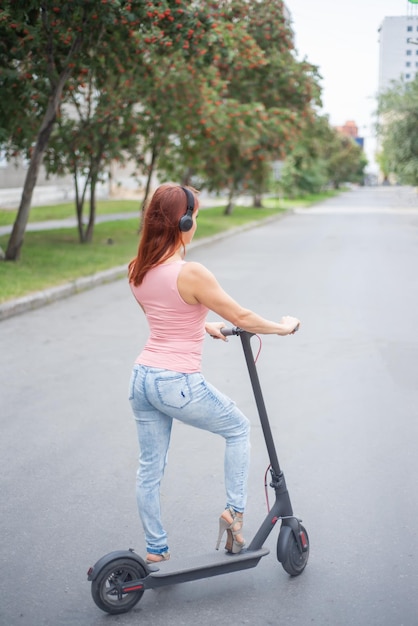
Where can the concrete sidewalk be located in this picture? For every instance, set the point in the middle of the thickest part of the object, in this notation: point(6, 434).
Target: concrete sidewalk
point(70, 222)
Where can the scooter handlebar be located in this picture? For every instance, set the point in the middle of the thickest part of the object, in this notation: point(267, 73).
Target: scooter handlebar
point(228, 331)
point(234, 330)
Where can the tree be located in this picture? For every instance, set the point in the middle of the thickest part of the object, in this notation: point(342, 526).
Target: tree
point(264, 97)
point(197, 96)
point(398, 131)
point(96, 125)
point(132, 100)
point(286, 88)
point(55, 42)
point(45, 42)
point(305, 169)
point(322, 156)
point(168, 116)
point(237, 134)
point(98, 130)
point(384, 165)
point(345, 161)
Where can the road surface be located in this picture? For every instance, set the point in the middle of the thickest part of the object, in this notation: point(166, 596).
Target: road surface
point(342, 395)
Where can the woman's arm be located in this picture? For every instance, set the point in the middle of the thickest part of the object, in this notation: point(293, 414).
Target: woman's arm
point(197, 284)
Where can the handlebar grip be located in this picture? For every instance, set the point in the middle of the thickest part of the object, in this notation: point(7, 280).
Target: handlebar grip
point(227, 331)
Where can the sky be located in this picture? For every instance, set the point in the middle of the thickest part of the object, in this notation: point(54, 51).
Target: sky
point(342, 39)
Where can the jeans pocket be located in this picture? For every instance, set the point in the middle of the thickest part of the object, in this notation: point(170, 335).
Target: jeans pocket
point(132, 384)
point(173, 391)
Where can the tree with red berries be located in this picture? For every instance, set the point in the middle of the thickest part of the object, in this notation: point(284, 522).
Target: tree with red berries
point(261, 98)
point(286, 88)
point(48, 47)
point(46, 43)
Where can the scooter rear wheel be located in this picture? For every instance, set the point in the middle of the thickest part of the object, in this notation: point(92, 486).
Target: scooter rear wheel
point(294, 559)
point(105, 588)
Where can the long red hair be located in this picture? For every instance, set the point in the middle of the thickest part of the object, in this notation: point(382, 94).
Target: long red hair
point(160, 234)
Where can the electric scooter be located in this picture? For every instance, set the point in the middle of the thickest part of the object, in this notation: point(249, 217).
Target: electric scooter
point(119, 579)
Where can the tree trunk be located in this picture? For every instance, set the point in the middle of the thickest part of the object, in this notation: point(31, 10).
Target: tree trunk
point(187, 177)
point(230, 205)
point(150, 173)
point(79, 205)
point(258, 204)
point(19, 227)
point(88, 236)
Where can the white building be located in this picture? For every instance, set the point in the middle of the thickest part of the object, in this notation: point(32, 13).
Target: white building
point(398, 52)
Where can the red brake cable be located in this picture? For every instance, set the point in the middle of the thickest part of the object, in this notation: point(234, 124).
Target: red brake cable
point(267, 470)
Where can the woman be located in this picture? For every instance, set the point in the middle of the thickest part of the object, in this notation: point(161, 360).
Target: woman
point(166, 381)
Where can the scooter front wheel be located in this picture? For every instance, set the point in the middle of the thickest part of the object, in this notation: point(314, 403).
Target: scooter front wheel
point(292, 557)
point(106, 587)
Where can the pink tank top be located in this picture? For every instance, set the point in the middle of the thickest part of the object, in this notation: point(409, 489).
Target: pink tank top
point(177, 329)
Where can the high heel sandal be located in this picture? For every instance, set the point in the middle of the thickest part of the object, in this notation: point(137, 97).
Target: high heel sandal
point(231, 522)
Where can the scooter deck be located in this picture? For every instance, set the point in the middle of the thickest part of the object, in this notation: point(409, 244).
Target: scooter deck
point(202, 566)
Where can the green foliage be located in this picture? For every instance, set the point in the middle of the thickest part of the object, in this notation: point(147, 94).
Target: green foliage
point(302, 176)
point(384, 164)
point(197, 91)
point(260, 97)
point(346, 161)
point(43, 43)
point(111, 74)
point(322, 157)
point(398, 130)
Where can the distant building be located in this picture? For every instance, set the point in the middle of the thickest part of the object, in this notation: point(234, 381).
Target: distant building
point(350, 129)
point(398, 50)
point(398, 55)
point(48, 189)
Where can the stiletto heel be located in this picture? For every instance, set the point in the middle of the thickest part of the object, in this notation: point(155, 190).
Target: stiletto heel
point(232, 523)
point(223, 526)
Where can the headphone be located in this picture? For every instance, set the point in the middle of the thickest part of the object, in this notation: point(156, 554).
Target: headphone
point(186, 221)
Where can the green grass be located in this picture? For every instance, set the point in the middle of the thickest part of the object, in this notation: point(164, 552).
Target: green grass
point(106, 207)
point(53, 257)
point(288, 203)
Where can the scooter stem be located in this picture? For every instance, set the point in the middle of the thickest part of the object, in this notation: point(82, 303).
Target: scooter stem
point(255, 382)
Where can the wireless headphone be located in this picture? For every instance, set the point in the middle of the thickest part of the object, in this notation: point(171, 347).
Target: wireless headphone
point(186, 222)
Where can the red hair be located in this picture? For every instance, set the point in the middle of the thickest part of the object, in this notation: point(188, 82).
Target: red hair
point(160, 234)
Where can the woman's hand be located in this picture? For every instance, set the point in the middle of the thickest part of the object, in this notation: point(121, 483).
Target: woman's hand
point(214, 330)
point(290, 325)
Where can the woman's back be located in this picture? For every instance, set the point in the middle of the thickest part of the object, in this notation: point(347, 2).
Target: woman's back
point(177, 328)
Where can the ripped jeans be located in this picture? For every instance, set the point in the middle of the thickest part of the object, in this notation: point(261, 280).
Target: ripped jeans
point(158, 396)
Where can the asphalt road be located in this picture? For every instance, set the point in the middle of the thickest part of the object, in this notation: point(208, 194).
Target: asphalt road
point(342, 395)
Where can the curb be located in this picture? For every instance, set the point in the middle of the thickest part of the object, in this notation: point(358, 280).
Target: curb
point(42, 298)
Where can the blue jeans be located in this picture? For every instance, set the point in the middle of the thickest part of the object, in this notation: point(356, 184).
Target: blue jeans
point(157, 396)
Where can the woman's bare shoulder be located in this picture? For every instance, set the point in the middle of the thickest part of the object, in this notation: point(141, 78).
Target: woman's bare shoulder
point(195, 269)
point(195, 280)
